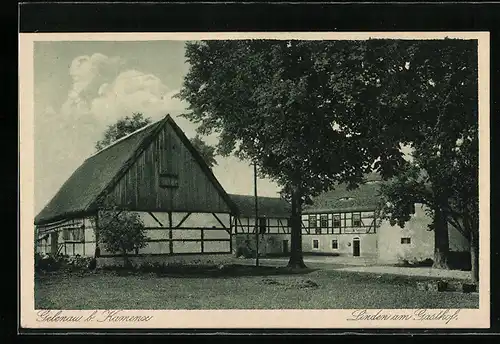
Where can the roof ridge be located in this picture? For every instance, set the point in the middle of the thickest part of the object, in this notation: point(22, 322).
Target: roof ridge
point(132, 158)
point(123, 138)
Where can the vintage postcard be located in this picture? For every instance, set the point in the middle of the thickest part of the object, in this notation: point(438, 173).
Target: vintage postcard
point(254, 180)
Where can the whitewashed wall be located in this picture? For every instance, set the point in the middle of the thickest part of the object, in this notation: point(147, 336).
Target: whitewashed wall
point(367, 242)
point(187, 238)
point(391, 250)
point(422, 240)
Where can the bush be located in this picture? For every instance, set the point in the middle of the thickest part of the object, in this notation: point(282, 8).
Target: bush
point(122, 232)
point(49, 263)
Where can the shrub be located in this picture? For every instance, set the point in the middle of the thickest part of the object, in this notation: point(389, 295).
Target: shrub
point(122, 232)
point(50, 263)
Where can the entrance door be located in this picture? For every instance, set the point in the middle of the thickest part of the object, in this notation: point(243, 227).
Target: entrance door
point(285, 246)
point(54, 242)
point(355, 247)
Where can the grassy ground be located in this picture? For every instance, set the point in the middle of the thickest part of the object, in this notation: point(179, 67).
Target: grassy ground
point(238, 288)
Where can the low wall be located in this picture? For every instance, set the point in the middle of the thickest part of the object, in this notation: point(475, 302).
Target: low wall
point(188, 259)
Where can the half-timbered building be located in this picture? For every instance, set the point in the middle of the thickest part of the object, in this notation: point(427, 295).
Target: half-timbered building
point(155, 172)
point(158, 174)
point(344, 222)
point(273, 225)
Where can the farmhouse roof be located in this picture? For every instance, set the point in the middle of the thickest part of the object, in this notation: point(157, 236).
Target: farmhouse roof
point(267, 206)
point(80, 193)
point(363, 198)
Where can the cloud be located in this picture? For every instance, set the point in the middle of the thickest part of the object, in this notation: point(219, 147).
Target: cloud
point(103, 89)
point(134, 91)
point(87, 73)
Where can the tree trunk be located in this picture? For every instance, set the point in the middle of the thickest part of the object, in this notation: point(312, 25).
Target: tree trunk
point(441, 241)
point(296, 258)
point(126, 261)
point(474, 255)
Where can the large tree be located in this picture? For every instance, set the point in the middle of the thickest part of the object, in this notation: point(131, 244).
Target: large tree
point(446, 181)
point(444, 172)
point(310, 114)
point(315, 113)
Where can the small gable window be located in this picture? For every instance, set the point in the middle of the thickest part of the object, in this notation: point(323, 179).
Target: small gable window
point(169, 180)
point(405, 241)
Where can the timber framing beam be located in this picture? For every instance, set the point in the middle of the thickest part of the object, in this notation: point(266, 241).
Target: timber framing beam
point(219, 220)
point(222, 223)
point(183, 220)
point(155, 218)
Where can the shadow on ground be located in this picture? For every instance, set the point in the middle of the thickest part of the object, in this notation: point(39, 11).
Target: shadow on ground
point(229, 271)
point(183, 271)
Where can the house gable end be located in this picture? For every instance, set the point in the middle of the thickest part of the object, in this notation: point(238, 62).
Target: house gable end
point(168, 174)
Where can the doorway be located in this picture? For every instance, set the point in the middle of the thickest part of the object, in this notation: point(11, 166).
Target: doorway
point(285, 247)
point(355, 247)
point(54, 242)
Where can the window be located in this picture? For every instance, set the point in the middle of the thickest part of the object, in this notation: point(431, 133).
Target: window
point(169, 180)
point(73, 234)
point(336, 221)
point(312, 221)
point(262, 225)
point(323, 220)
point(315, 244)
point(356, 219)
point(318, 230)
point(405, 240)
point(335, 244)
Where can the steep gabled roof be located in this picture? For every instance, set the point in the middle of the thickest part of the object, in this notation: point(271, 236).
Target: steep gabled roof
point(363, 198)
point(80, 193)
point(267, 206)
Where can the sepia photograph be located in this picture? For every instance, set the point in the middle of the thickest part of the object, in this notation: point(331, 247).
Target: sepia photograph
point(246, 172)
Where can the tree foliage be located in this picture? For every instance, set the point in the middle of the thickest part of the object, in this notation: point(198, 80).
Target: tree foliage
point(206, 151)
point(444, 172)
point(315, 113)
point(121, 128)
point(121, 232)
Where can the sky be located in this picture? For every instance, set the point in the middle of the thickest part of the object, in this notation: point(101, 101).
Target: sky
point(81, 87)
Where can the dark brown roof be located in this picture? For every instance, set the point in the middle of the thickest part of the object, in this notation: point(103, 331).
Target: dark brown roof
point(267, 206)
point(363, 198)
point(78, 195)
